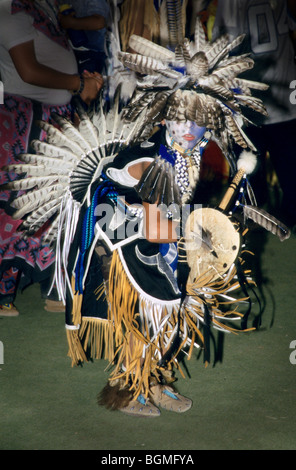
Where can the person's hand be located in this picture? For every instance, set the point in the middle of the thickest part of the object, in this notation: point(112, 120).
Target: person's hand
point(95, 75)
point(93, 83)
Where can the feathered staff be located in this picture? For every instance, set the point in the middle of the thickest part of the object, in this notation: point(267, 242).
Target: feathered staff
point(246, 165)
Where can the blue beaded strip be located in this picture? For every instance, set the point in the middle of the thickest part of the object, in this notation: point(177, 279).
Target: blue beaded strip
point(105, 189)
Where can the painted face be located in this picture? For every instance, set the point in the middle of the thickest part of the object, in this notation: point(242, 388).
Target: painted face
point(186, 134)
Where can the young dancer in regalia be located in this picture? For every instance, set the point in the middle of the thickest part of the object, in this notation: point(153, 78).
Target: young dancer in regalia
point(144, 273)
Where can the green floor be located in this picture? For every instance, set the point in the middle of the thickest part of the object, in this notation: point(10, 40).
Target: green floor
point(246, 401)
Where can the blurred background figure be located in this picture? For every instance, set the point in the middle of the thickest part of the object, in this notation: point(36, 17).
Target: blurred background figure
point(269, 25)
point(162, 21)
point(86, 24)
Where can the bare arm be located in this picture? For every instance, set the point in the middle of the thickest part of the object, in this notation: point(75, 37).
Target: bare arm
point(33, 72)
point(157, 228)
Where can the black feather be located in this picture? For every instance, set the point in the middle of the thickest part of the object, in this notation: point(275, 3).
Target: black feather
point(147, 182)
point(158, 185)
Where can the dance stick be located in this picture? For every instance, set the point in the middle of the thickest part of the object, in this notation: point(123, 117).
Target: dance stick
point(246, 165)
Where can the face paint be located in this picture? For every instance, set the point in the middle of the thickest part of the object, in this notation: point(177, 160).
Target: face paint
point(186, 134)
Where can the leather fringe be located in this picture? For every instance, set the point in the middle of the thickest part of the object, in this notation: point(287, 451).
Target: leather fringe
point(97, 337)
point(76, 351)
point(134, 344)
point(127, 340)
point(94, 339)
point(90, 337)
point(76, 304)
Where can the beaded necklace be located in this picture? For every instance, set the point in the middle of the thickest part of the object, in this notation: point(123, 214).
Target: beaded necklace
point(187, 165)
point(183, 168)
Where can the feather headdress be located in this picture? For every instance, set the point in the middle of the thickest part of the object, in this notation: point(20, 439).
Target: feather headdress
point(197, 82)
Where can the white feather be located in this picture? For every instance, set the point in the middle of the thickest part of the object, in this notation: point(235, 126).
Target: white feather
point(51, 234)
point(53, 151)
point(72, 133)
point(46, 161)
point(37, 181)
point(37, 195)
point(145, 47)
point(56, 137)
point(89, 132)
point(31, 203)
point(32, 170)
point(42, 214)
